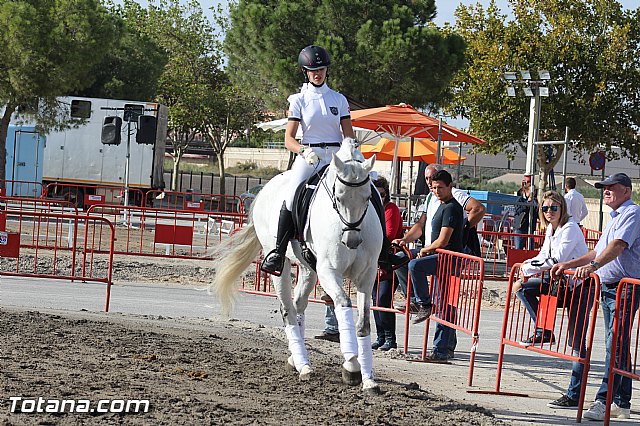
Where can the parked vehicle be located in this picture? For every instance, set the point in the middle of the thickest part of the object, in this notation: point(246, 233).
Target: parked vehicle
point(79, 162)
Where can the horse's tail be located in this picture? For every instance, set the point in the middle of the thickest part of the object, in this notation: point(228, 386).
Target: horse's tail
point(231, 259)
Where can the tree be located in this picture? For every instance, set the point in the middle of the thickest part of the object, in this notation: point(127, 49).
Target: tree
point(192, 73)
point(227, 115)
point(590, 48)
point(383, 53)
point(133, 63)
point(48, 48)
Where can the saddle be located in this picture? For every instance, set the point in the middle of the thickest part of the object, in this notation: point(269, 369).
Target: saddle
point(300, 212)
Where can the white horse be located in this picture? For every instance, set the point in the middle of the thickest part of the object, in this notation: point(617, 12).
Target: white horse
point(344, 233)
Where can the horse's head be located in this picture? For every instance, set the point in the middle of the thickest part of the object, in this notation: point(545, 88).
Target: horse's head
point(351, 194)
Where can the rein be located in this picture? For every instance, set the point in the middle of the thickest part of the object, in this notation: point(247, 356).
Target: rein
point(349, 226)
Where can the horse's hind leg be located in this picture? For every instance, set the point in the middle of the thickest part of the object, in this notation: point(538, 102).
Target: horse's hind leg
point(292, 327)
point(306, 281)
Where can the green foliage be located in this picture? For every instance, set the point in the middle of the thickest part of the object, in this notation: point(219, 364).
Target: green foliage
point(591, 49)
point(133, 63)
point(382, 53)
point(48, 49)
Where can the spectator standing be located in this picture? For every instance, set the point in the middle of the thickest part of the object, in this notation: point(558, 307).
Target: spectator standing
point(383, 288)
point(616, 256)
point(576, 206)
point(523, 223)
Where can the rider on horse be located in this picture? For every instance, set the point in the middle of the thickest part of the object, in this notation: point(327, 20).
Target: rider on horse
point(326, 120)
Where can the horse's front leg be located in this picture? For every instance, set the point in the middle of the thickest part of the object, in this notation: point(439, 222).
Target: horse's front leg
point(363, 330)
point(331, 282)
point(299, 357)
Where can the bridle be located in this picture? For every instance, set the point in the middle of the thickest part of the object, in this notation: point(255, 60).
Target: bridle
point(349, 226)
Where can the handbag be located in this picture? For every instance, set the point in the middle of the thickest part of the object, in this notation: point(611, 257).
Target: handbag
point(559, 288)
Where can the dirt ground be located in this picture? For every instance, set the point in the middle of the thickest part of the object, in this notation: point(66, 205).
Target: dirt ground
point(206, 372)
point(196, 372)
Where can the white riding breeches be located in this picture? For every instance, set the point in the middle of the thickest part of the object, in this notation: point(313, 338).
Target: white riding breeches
point(301, 171)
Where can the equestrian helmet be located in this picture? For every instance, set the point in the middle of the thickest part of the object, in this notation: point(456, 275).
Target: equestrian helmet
point(313, 58)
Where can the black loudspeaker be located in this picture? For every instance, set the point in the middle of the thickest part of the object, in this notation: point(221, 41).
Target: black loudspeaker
point(146, 130)
point(111, 128)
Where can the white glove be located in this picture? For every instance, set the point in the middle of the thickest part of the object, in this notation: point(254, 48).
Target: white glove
point(309, 156)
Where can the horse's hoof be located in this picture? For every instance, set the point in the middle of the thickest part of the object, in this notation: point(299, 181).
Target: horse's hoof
point(290, 365)
point(371, 388)
point(305, 373)
point(351, 379)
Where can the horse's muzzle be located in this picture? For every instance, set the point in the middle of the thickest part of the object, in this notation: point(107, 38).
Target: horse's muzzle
point(351, 238)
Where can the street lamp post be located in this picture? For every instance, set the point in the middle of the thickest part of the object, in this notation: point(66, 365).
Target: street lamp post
point(534, 89)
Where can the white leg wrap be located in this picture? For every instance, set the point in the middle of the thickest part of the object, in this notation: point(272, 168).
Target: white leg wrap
point(348, 342)
point(365, 357)
point(296, 346)
point(300, 319)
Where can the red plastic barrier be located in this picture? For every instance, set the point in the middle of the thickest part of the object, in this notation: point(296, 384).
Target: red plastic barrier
point(10, 244)
point(517, 326)
point(624, 364)
point(456, 294)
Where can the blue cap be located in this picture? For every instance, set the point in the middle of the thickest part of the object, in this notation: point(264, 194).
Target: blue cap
point(620, 178)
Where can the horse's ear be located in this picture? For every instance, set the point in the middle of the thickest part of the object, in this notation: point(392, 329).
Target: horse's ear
point(337, 162)
point(368, 164)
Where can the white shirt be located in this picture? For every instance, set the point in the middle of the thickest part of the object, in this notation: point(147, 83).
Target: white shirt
point(576, 207)
point(431, 207)
point(319, 111)
point(565, 244)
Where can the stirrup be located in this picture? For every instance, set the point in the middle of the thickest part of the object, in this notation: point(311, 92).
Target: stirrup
point(273, 263)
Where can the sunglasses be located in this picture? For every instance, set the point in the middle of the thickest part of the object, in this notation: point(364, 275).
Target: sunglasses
point(546, 208)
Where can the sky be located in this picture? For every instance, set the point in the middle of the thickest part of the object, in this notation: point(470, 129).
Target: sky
point(445, 8)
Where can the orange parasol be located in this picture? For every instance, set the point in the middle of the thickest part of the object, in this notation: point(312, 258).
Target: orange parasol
point(403, 121)
point(423, 150)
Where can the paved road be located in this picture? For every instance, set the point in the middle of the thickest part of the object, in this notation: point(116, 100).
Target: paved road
point(542, 378)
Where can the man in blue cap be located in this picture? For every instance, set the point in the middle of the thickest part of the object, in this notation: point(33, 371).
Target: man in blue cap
point(616, 256)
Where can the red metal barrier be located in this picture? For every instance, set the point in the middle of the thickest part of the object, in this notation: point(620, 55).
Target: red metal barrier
point(57, 256)
point(21, 188)
point(496, 247)
point(517, 325)
point(85, 195)
point(173, 200)
point(144, 231)
point(591, 237)
point(456, 294)
point(43, 236)
point(624, 363)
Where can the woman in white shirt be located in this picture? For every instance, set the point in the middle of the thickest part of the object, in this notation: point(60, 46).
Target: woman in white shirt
point(325, 119)
point(563, 241)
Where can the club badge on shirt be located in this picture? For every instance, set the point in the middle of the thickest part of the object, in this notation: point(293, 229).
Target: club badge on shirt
point(334, 110)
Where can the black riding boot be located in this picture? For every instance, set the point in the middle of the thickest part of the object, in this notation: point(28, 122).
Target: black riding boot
point(387, 259)
point(274, 261)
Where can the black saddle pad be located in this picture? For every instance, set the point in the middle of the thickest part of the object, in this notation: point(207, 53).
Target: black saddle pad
point(302, 200)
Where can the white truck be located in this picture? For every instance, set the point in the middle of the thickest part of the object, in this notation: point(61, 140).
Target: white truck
point(75, 163)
